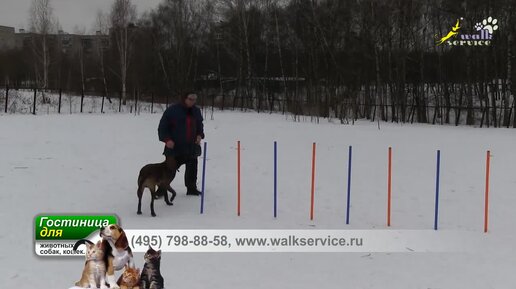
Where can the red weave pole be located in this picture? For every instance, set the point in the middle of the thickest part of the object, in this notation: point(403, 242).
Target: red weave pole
point(486, 208)
point(389, 189)
point(238, 178)
point(313, 183)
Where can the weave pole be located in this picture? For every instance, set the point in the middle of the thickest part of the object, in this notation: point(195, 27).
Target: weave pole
point(486, 208)
point(238, 178)
point(389, 189)
point(349, 185)
point(313, 184)
point(203, 175)
point(437, 174)
point(275, 179)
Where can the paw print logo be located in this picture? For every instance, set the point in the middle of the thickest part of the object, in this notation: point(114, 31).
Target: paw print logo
point(489, 24)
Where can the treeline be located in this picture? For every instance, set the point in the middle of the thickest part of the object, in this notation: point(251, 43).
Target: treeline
point(348, 59)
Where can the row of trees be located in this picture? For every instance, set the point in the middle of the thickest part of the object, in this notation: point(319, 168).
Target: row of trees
point(324, 58)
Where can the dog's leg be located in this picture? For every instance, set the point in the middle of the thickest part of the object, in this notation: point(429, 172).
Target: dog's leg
point(169, 188)
point(111, 281)
point(103, 282)
point(165, 197)
point(160, 192)
point(139, 194)
point(110, 276)
point(131, 262)
point(170, 175)
point(153, 195)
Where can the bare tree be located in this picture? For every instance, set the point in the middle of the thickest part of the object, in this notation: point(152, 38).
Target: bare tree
point(323, 58)
point(42, 23)
point(80, 56)
point(180, 29)
point(101, 29)
point(123, 15)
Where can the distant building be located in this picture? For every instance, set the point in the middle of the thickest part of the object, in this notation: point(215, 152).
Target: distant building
point(7, 38)
point(67, 43)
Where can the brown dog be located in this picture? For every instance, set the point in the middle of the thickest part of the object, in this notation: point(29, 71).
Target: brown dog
point(153, 175)
point(117, 252)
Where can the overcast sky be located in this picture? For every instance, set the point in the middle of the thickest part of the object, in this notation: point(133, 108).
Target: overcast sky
point(15, 13)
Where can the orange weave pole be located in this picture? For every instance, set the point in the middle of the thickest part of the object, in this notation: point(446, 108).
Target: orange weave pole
point(389, 190)
point(486, 209)
point(313, 183)
point(238, 178)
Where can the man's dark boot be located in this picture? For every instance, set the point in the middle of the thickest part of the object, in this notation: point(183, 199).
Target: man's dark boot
point(193, 192)
point(191, 177)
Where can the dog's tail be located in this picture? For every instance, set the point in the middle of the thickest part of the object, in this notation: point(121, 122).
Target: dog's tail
point(142, 176)
point(140, 179)
point(80, 242)
point(140, 184)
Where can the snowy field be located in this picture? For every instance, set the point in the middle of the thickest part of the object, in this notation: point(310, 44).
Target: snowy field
point(88, 163)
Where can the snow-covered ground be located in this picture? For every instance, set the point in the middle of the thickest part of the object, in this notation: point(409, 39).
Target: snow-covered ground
point(88, 163)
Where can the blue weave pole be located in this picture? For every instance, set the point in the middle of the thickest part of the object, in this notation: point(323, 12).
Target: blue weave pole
point(275, 179)
point(437, 189)
point(203, 175)
point(349, 185)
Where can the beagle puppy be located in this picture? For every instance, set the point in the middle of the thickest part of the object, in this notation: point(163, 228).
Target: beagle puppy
point(117, 252)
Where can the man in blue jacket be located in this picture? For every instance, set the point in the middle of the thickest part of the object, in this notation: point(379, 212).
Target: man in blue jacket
point(181, 129)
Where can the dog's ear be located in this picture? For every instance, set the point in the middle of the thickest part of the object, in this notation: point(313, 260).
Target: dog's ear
point(122, 241)
point(104, 245)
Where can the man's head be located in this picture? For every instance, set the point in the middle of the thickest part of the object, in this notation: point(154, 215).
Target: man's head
point(189, 98)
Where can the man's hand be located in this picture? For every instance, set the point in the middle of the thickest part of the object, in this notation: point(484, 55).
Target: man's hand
point(198, 139)
point(169, 144)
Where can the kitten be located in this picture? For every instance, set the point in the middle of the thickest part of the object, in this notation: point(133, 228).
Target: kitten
point(151, 277)
point(130, 279)
point(94, 272)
